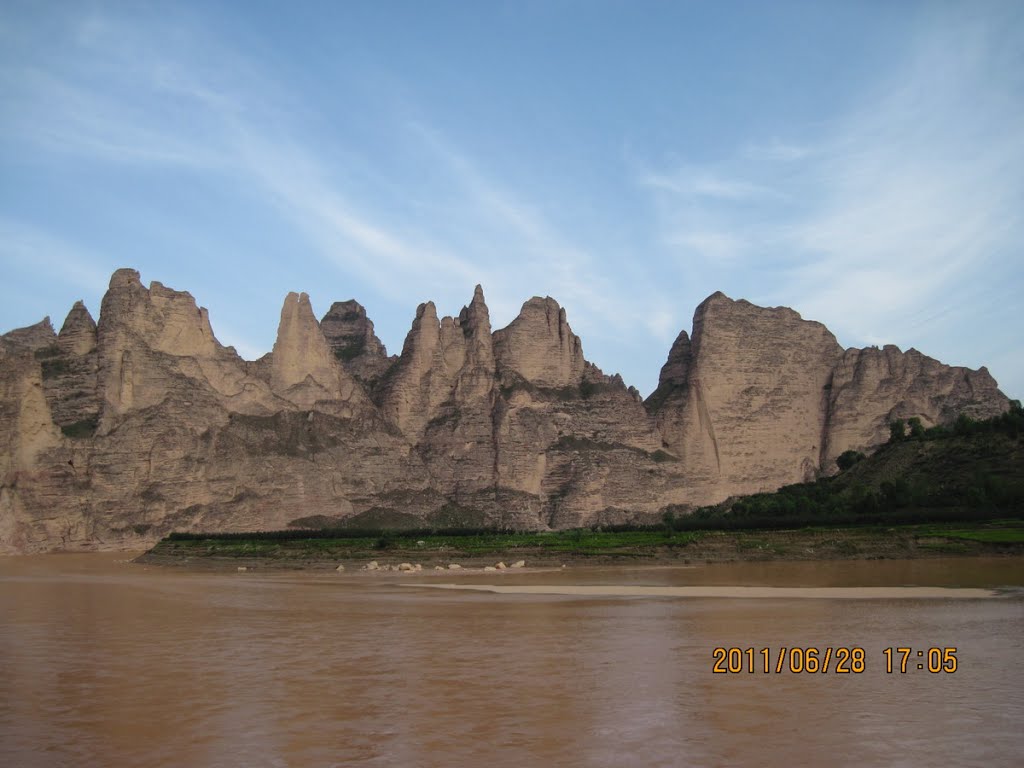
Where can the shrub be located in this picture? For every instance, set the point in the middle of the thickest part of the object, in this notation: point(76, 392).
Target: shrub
point(79, 429)
point(847, 459)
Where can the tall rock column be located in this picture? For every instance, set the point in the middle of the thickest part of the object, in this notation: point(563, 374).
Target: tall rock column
point(150, 342)
point(446, 367)
point(303, 368)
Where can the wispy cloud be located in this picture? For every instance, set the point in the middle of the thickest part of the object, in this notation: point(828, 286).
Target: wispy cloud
point(227, 117)
point(776, 151)
point(903, 206)
point(868, 221)
point(24, 248)
point(695, 183)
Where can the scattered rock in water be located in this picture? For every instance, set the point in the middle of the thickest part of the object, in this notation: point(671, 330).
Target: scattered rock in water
point(417, 567)
point(405, 567)
point(454, 567)
point(242, 569)
point(420, 543)
point(340, 568)
point(438, 567)
point(371, 566)
point(490, 568)
point(501, 566)
point(518, 564)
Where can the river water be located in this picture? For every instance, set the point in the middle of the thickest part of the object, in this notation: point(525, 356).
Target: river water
point(107, 663)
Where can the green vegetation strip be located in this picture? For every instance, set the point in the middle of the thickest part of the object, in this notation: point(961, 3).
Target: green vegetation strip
point(826, 540)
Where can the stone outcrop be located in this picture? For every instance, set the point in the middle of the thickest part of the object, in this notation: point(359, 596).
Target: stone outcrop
point(540, 347)
point(32, 337)
point(113, 434)
point(871, 387)
point(304, 369)
point(350, 334)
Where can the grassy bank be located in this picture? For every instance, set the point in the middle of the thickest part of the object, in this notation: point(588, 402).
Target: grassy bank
point(996, 537)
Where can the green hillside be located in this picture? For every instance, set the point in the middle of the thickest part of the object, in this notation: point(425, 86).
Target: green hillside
point(971, 470)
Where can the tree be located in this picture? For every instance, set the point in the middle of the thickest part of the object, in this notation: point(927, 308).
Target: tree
point(897, 430)
point(847, 459)
point(916, 427)
point(964, 424)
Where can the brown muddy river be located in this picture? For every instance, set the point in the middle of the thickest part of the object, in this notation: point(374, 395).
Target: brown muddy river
point(104, 663)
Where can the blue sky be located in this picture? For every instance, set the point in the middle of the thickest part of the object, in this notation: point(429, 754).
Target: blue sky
point(861, 162)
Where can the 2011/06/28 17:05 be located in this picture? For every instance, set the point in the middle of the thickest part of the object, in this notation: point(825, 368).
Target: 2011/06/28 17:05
point(838, 660)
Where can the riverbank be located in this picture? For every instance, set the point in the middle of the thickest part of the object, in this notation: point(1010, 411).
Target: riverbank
point(583, 547)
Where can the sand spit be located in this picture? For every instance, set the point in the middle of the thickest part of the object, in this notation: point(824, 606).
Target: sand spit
point(829, 593)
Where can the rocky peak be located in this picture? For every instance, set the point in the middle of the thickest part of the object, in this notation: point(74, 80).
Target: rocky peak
point(349, 332)
point(674, 374)
point(32, 336)
point(540, 347)
point(475, 324)
point(744, 400)
point(676, 370)
point(423, 337)
point(301, 351)
point(350, 335)
point(165, 320)
point(78, 334)
point(447, 361)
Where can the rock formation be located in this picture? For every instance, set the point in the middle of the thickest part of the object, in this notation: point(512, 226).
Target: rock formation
point(303, 368)
point(746, 403)
point(114, 434)
point(760, 398)
point(540, 347)
point(349, 332)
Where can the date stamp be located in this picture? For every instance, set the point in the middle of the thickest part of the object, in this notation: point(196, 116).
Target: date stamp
point(837, 660)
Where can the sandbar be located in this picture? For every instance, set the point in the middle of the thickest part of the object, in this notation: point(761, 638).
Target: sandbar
point(788, 593)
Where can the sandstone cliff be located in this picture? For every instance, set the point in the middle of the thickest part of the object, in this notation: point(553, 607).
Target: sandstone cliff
point(760, 398)
point(114, 433)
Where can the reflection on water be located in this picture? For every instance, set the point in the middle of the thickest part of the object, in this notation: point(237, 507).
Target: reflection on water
point(106, 663)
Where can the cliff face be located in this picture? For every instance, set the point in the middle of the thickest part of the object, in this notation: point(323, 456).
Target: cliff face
point(761, 398)
point(113, 435)
point(745, 406)
point(871, 387)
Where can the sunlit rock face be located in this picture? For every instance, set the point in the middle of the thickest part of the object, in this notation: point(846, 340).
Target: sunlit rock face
point(744, 403)
point(113, 434)
point(760, 398)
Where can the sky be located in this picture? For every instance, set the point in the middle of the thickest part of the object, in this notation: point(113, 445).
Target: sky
point(860, 162)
